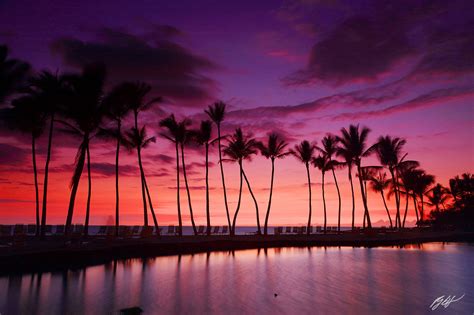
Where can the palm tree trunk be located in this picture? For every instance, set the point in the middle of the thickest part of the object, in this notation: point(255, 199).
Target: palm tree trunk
point(241, 171)
point(422, 212)
point(324, 203)
point(46, 173)
point(180, 220)
point(406, 211)
point(259, 231)
point(187, 190)
point(208, 214)
point(35, 173)
point(386, 208)
point(415, 207)
point(153, 215)
point(145, 212)
point(223, 179)
point(75, 186)
point(117, 153)
point(353, 197)
point(269, 198)
point(339, 197)
point(364, 198)
point(397, 198)
point(308, 228)
point(89, 191)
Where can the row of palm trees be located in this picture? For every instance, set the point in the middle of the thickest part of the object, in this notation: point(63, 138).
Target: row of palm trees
point(78, 104)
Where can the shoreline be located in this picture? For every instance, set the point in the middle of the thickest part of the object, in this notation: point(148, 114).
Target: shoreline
point(53, 254)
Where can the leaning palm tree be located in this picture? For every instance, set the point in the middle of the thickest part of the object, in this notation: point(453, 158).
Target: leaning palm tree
point(304, 152)
point(203, 136)
point(329, 148)
point(138, 139)
point(117, 105)
point(51, 91)
point(407, 172)
point(354, 143)
point(323, 163)
point(13, 74)
point(241, 147)
point(84, 116)
point(348, 161)
point(216, 113)
point(366, 173)
point(422, 187)
point(274, 149)
point(27, 116)
point(379, 183)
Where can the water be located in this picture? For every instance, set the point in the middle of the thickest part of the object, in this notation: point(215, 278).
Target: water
point(318, 280)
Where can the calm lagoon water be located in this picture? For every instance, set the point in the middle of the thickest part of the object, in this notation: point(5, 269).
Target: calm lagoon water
point(317, 280)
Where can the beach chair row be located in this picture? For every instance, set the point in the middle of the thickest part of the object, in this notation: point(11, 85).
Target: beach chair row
point(302, 229)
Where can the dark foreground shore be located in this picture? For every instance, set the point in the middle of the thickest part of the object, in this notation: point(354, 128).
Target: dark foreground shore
point(55, 254)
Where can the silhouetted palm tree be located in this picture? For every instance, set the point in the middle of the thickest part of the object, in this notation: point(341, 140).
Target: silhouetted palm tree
point(379, 183)
point(274, 149)
point(13, 74)
point(329, 149)
point(203, 137)
point(50, 89)
point(408, 174)
point(27, 116)
point(348, 162)
point(117, 105)
point(366, 173)
point(323, 163)
point(305, 153)
point(217, 113)
point(241, 147)
point(353, 142)
point(139, 140)
point(422, 186)
point(437, 196)
point(84, 115)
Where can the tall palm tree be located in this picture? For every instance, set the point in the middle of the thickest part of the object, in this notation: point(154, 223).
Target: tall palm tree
point(329, 149)
point(216, 113)
point(366, 173)
point(27, 116)
point(323, 163)
point(13, 74)
point(304, 152)
point(241, 147)
point(379, 183)
point(117, 105)
point(437, 196)
point(51, 91)
point(139, 140)
point(408, 173)
point(354, 143)
point(203, 136)
point(348, 162)
point(422, 186)
point(84, 116)
point(136, 94)
point(274, 149)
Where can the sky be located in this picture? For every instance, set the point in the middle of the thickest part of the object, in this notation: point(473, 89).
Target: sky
point(301, 68)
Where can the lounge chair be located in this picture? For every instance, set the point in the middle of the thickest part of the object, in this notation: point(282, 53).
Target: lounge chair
point(171, 230)
point(136, 230)
point(295, 229)
point(147, 231)
point(225, 229)
point(278, 230)
point(102, 230)
point(303, 230)
point(216, 230)
point(200, 230)
point(177, 230)
point(31, 229)
point(319, 229)
point(59, 230)
point(288, 230)
point(311, 230)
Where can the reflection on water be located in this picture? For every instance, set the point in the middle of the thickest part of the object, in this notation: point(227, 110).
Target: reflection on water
point(314, 279)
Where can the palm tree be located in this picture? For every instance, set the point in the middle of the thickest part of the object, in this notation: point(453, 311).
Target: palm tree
point(348, 162)
point(305, 153)
point(379, 183)
point(217, 113)
point(241, 147)
point(323, 163)
point(27, 116)
point(203, 137)
point(135, 94)
point(422, 186)
point(84, 116)
point(408, 174)
point(13, 73)
point(117, 104)
point(51, 91)
point(329, 149)
point(365, 174)
point(437, 196)
point(139, 140)
point(353, 142)
point(274, 149)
